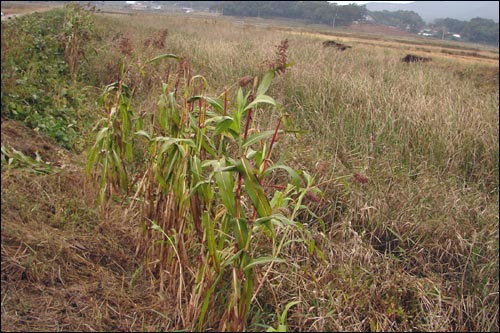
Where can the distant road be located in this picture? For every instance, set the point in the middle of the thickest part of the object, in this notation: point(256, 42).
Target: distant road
point(27, 10)
point(5, 17)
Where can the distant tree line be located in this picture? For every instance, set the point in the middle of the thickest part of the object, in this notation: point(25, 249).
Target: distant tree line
point(401, 19)
point(477, 30)
point(312, 11)
point(188, 4)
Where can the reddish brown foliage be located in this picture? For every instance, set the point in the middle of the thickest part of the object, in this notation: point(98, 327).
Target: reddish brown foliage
point(281, 58)
point(360, 179)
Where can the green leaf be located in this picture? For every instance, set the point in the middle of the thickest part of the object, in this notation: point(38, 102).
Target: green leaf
point(278, 199)
point(162, 113)
point(225, 182)
point(262, 260)
point(210, 238)
point(163, 56)
point(196, 170)
point(216, 104)
point(232, 258)
point(91, 159)
point(156, 227)
point(240, 100)
point(223, 125)
point(207, 144)
point(266, 82)
point(121, 170)
point(266, 222)
point(194, 98)
point(206, 302)
point(284, 314)
point(261, 99)
point(241, 233)
point(256, 137)
point(205, 83)
point(294, 176)
point(144, 134)
point(101, 134)
point(253, 188)
point(282, 220)
point(170, 141)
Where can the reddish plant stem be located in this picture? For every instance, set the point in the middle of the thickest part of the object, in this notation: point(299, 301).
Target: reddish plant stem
point(199, 106)
point(245, 135)
point(204, 112)
point(275, 135)
point(247, 125)
point(186, 114)
point(266, 161)
point(238, 196)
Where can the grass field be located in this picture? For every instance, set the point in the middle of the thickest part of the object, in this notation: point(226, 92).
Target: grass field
point(395, 230)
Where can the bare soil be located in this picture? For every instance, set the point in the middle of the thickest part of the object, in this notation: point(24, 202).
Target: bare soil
point(62, 267)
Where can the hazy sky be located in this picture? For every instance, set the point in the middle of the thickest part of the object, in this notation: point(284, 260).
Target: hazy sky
point(365, 2)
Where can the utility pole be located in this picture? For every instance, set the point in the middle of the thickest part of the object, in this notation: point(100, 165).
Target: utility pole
point(334, 17)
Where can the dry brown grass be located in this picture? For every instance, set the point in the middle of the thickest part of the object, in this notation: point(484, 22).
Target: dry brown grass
point(63, 268)
point(484, 56)
point(400, 248)
point(20, 137)
point(24, 7)
point(411, 243)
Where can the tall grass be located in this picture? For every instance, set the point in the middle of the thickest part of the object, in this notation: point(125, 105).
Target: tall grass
point(203, 185)
point(406, 233)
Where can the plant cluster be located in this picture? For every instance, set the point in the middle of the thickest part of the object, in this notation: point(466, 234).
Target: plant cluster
point(36, 88)
point(157, 40)
point(203, 184)
point(76, 31)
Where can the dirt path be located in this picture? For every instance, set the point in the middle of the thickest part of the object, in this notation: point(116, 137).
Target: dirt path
point(8, 16)
point(11, 11)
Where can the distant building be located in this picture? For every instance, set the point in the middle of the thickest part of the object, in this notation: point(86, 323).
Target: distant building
point(139, 6)
point(427, 33)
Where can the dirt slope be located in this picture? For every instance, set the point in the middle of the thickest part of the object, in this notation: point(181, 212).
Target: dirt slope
point(62, 268)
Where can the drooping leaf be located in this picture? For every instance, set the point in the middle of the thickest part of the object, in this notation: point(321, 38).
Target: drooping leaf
point(144, 134)
point(261, 99)
point(210, 238)
point(256, 137)
point(265, 83)
point(253, 188)
point(240, 101)
point(215, 104)
point(205, 83)
point(223, 125)
point(241, 233)
point(164, 56)
point(225, 182)
point(167, 142)
point(294, 176)
point(262, 260)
